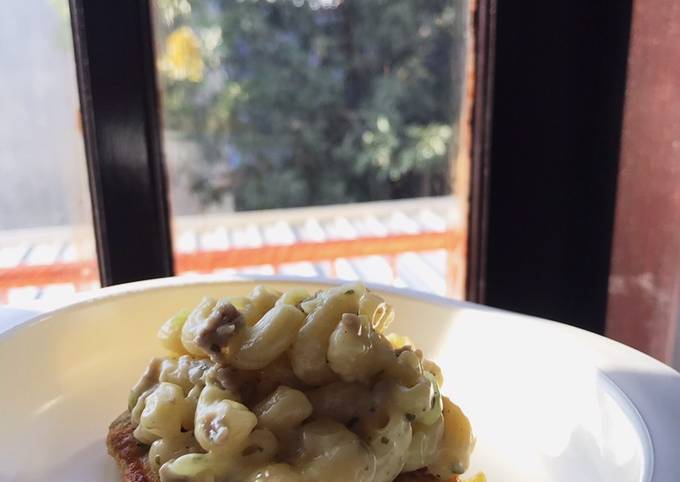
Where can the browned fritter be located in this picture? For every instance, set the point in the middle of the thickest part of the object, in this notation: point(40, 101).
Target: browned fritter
point(130, 454)
point(133, 462)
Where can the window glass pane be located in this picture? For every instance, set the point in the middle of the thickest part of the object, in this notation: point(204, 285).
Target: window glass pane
point(352, 107)
point(46, 237)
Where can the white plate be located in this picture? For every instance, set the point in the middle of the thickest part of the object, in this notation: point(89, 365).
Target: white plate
point(548, 402)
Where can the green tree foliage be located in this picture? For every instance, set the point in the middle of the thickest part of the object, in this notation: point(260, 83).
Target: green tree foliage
point(314, 102)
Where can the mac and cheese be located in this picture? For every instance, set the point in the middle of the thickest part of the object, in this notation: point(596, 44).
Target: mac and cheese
point(294, 387)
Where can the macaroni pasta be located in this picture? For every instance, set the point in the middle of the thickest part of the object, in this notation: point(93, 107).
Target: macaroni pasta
point(295, 387)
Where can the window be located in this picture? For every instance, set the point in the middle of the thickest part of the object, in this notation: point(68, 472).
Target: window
point(46, 237)
point(352, 107)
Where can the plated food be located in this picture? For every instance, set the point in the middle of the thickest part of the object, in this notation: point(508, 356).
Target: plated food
point(290, 387)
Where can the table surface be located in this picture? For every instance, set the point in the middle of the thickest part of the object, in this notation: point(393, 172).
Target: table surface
point(11, 317)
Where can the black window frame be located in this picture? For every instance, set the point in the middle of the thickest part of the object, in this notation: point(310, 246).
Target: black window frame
point(115, 66)
point(547, 162)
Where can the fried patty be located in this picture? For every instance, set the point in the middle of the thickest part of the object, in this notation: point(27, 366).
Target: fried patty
point(130, 454)
point(133, 461)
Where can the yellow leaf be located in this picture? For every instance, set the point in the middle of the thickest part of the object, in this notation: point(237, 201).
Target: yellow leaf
point(182, 59)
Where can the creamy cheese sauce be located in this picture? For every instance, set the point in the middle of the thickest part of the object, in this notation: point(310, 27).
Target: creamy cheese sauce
point(295, 387)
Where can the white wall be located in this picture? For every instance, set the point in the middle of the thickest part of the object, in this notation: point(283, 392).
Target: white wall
point(42, 163)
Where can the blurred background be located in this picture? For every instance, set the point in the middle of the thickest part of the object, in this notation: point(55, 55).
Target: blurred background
point(256, 116)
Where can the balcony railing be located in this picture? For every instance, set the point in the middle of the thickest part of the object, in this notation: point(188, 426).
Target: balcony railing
point(414, 243)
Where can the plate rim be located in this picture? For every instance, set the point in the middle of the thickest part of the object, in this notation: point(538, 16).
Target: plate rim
point(154, 284)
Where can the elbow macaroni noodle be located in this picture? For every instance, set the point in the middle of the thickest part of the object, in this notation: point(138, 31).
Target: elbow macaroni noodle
point(295, 387)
